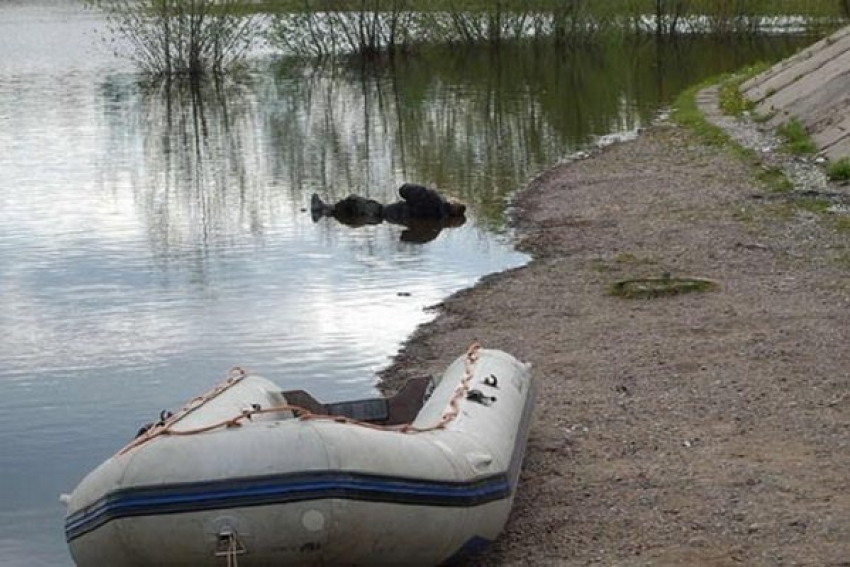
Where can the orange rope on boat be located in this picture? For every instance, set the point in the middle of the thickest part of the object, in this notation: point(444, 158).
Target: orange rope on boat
point(237, 374)
point(460, 392)
point(234, 376)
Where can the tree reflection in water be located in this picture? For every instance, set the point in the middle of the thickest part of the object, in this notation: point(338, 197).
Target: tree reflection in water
point(221, 164)
point(193, 164)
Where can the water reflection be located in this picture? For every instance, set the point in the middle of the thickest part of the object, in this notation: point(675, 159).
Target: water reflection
point(198, 190)
point(473, 122)
point(476, 122)
point(416, 231)
point(220, 185)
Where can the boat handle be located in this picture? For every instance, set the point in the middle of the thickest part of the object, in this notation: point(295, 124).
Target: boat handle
point(479, 397)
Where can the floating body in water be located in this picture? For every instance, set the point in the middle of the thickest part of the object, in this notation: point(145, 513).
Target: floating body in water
point(422, 210)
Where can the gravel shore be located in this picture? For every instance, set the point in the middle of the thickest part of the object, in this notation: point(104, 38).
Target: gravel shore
point(700, 429)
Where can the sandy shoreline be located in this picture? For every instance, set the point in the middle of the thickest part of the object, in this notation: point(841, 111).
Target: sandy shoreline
point(703, 429)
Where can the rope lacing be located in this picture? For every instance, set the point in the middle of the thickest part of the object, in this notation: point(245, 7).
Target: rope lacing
point(237, 374)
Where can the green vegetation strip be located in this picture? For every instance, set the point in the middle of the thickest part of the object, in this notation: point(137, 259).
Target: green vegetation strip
point(732, 101)
point(796, 138)
point(839, 170)
point(650, 288)
point(776, 180)
point(686, 113)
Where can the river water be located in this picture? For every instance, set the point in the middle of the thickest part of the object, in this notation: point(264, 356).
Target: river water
point(149, 240)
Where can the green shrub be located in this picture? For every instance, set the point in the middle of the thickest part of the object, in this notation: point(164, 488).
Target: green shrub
point(839, 170)
point(686, 113)
point(732, 100)
point(776, 180)
point(797, 140)
point(190, 39)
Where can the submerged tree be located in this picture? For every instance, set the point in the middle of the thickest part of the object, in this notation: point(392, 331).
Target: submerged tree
point(325, 28)
point(191, 39)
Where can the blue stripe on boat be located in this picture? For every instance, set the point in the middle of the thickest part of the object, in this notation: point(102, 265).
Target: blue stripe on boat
point(298, 487)
point(261, 491)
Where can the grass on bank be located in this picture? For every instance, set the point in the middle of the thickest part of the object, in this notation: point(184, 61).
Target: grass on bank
point(733, 103)
point(686, 112)
point(796, 139)
point(775, 180)
point(839, 170)
point(732, 100)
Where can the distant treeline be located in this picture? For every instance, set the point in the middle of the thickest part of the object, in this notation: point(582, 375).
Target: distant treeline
point(764, 7)
point(600, 9)
point(321, 27)
point(197, 39)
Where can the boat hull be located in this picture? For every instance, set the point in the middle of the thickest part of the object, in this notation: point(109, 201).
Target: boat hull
point(284, 491)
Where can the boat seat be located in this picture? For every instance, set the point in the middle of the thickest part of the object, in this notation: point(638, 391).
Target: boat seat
point(395, 410)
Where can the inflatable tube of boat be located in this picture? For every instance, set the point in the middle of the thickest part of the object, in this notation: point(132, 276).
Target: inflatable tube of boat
point(246, 476)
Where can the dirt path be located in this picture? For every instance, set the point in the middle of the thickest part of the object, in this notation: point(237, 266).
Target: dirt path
point(703, 429)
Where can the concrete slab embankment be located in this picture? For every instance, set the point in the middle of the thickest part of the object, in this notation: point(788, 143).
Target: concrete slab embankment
point(814, 87)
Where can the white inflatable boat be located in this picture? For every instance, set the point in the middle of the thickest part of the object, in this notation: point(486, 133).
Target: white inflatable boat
point(249, 475)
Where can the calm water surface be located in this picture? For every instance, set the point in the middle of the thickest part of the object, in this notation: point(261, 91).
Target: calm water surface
point(150, 240)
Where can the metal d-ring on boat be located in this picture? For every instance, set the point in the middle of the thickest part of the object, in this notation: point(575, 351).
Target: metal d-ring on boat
point(256, 476)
